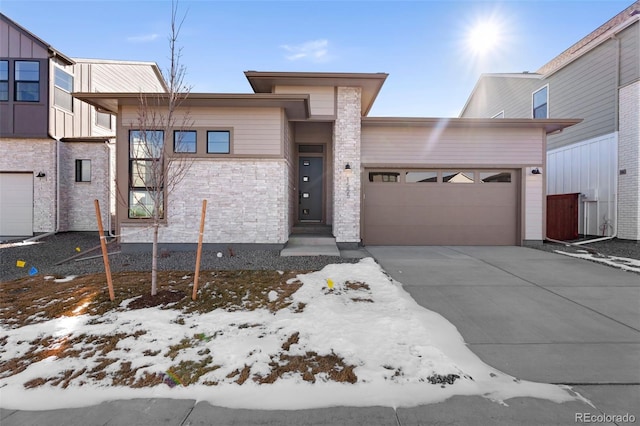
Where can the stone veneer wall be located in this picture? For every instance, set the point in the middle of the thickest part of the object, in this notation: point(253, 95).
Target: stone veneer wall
point(246, 204)
point(346, 145)
point(34, 155)
point(629, 160)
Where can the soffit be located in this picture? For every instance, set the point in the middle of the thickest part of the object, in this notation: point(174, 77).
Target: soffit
point(370, 83)
point(549, 125)
point(296, 106)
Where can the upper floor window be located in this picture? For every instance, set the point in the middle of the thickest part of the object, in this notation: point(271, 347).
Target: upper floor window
point(103, 119)
point(4, 80)
point(63, 83)
point(184, 141)
point(27, 81)
point(541, 103)
point(218, 142)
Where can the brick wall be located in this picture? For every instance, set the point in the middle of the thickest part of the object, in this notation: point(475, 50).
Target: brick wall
point(76, 198)
point(246, 203)
point(346, 143)
point(629, 160)
point(34, 155)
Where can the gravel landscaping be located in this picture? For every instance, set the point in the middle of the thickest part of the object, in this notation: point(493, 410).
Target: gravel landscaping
point(45, 254)
point(48, 251)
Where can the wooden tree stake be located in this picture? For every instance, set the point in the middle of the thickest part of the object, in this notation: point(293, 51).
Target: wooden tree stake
point(105, 256)
point(199, 252)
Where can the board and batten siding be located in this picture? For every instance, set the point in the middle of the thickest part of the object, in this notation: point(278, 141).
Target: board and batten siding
point(255, 131)
point(16, 44)
point(322, 99)
point(434, 147)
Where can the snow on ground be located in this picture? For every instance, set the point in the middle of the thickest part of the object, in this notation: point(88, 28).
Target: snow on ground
point(395, 344)
point(623, 263)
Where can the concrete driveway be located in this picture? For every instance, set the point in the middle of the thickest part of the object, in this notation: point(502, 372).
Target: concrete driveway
point(535, 315)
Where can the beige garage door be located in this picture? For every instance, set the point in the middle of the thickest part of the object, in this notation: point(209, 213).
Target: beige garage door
point(441, 207)
point(16, 204)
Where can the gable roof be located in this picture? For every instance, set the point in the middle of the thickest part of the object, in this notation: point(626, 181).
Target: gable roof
point(370, 83)
point(52, 52)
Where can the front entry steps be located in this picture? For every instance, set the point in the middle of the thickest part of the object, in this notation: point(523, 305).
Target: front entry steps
point(311, 245)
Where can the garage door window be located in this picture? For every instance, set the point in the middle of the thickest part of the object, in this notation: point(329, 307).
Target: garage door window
point(387, 177)
point(495, 177)
point(457, 176)
point(421, 177)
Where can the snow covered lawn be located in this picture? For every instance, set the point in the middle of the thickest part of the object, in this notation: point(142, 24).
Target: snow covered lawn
point(346, 335)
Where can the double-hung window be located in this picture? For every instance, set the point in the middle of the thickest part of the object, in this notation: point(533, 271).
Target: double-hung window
point(4, 80)
point(541, 103)
point(63, 83)
point(27, 81)
point(146, 172)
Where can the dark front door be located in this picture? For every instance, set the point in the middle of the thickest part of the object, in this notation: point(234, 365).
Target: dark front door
point(310, 189)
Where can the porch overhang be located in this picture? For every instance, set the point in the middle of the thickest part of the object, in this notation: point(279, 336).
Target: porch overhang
point(550, 125)
point(296, 106)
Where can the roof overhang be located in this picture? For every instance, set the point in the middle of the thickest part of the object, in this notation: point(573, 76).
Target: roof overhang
point(370, 83)
point(548, 125)
point(296, 106)
point(92, 139)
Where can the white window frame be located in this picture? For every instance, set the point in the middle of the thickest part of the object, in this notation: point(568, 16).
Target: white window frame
point(63, 90)
point(533, 107)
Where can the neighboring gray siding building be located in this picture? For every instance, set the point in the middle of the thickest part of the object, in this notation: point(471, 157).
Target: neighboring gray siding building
point(57, 151)
point(598, 80)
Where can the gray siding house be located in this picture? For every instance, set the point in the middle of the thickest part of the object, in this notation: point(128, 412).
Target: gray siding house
point(57, 151)
point(598, 80)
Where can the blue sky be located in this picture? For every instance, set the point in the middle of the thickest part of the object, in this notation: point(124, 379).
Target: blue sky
point(423, 45)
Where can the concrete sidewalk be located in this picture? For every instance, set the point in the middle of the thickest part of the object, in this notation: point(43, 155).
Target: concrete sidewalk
point(532, 314)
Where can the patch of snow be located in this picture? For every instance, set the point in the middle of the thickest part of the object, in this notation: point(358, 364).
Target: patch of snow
point(273, 296)
point(623, 263)
point(65, 279)
point(393, 334)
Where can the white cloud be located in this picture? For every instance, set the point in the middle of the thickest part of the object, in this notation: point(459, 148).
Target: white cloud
point(314, 51)
point(143, 38)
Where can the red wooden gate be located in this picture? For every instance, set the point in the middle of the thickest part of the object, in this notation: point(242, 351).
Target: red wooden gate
point(562, 216)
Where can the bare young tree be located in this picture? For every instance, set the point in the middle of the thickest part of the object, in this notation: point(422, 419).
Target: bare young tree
point(158, 144)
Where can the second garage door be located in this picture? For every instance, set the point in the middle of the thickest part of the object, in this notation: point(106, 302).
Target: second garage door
point(441, 207)
point(16, 204)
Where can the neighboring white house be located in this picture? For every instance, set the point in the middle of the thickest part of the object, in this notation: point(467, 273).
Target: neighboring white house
point(597, 79)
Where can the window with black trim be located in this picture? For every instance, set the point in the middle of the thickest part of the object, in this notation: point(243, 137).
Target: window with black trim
point(83, 170)
point(185, 141)
point(63, 86)
point(145, 173)
point(27, 81)
point(4, 80)
point(218, 142)
point(387, 177)
point(103, 119)
point(541, 103)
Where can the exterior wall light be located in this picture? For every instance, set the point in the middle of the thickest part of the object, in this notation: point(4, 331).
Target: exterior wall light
point(347, 170)
point(536, 171)
point(40, 175)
